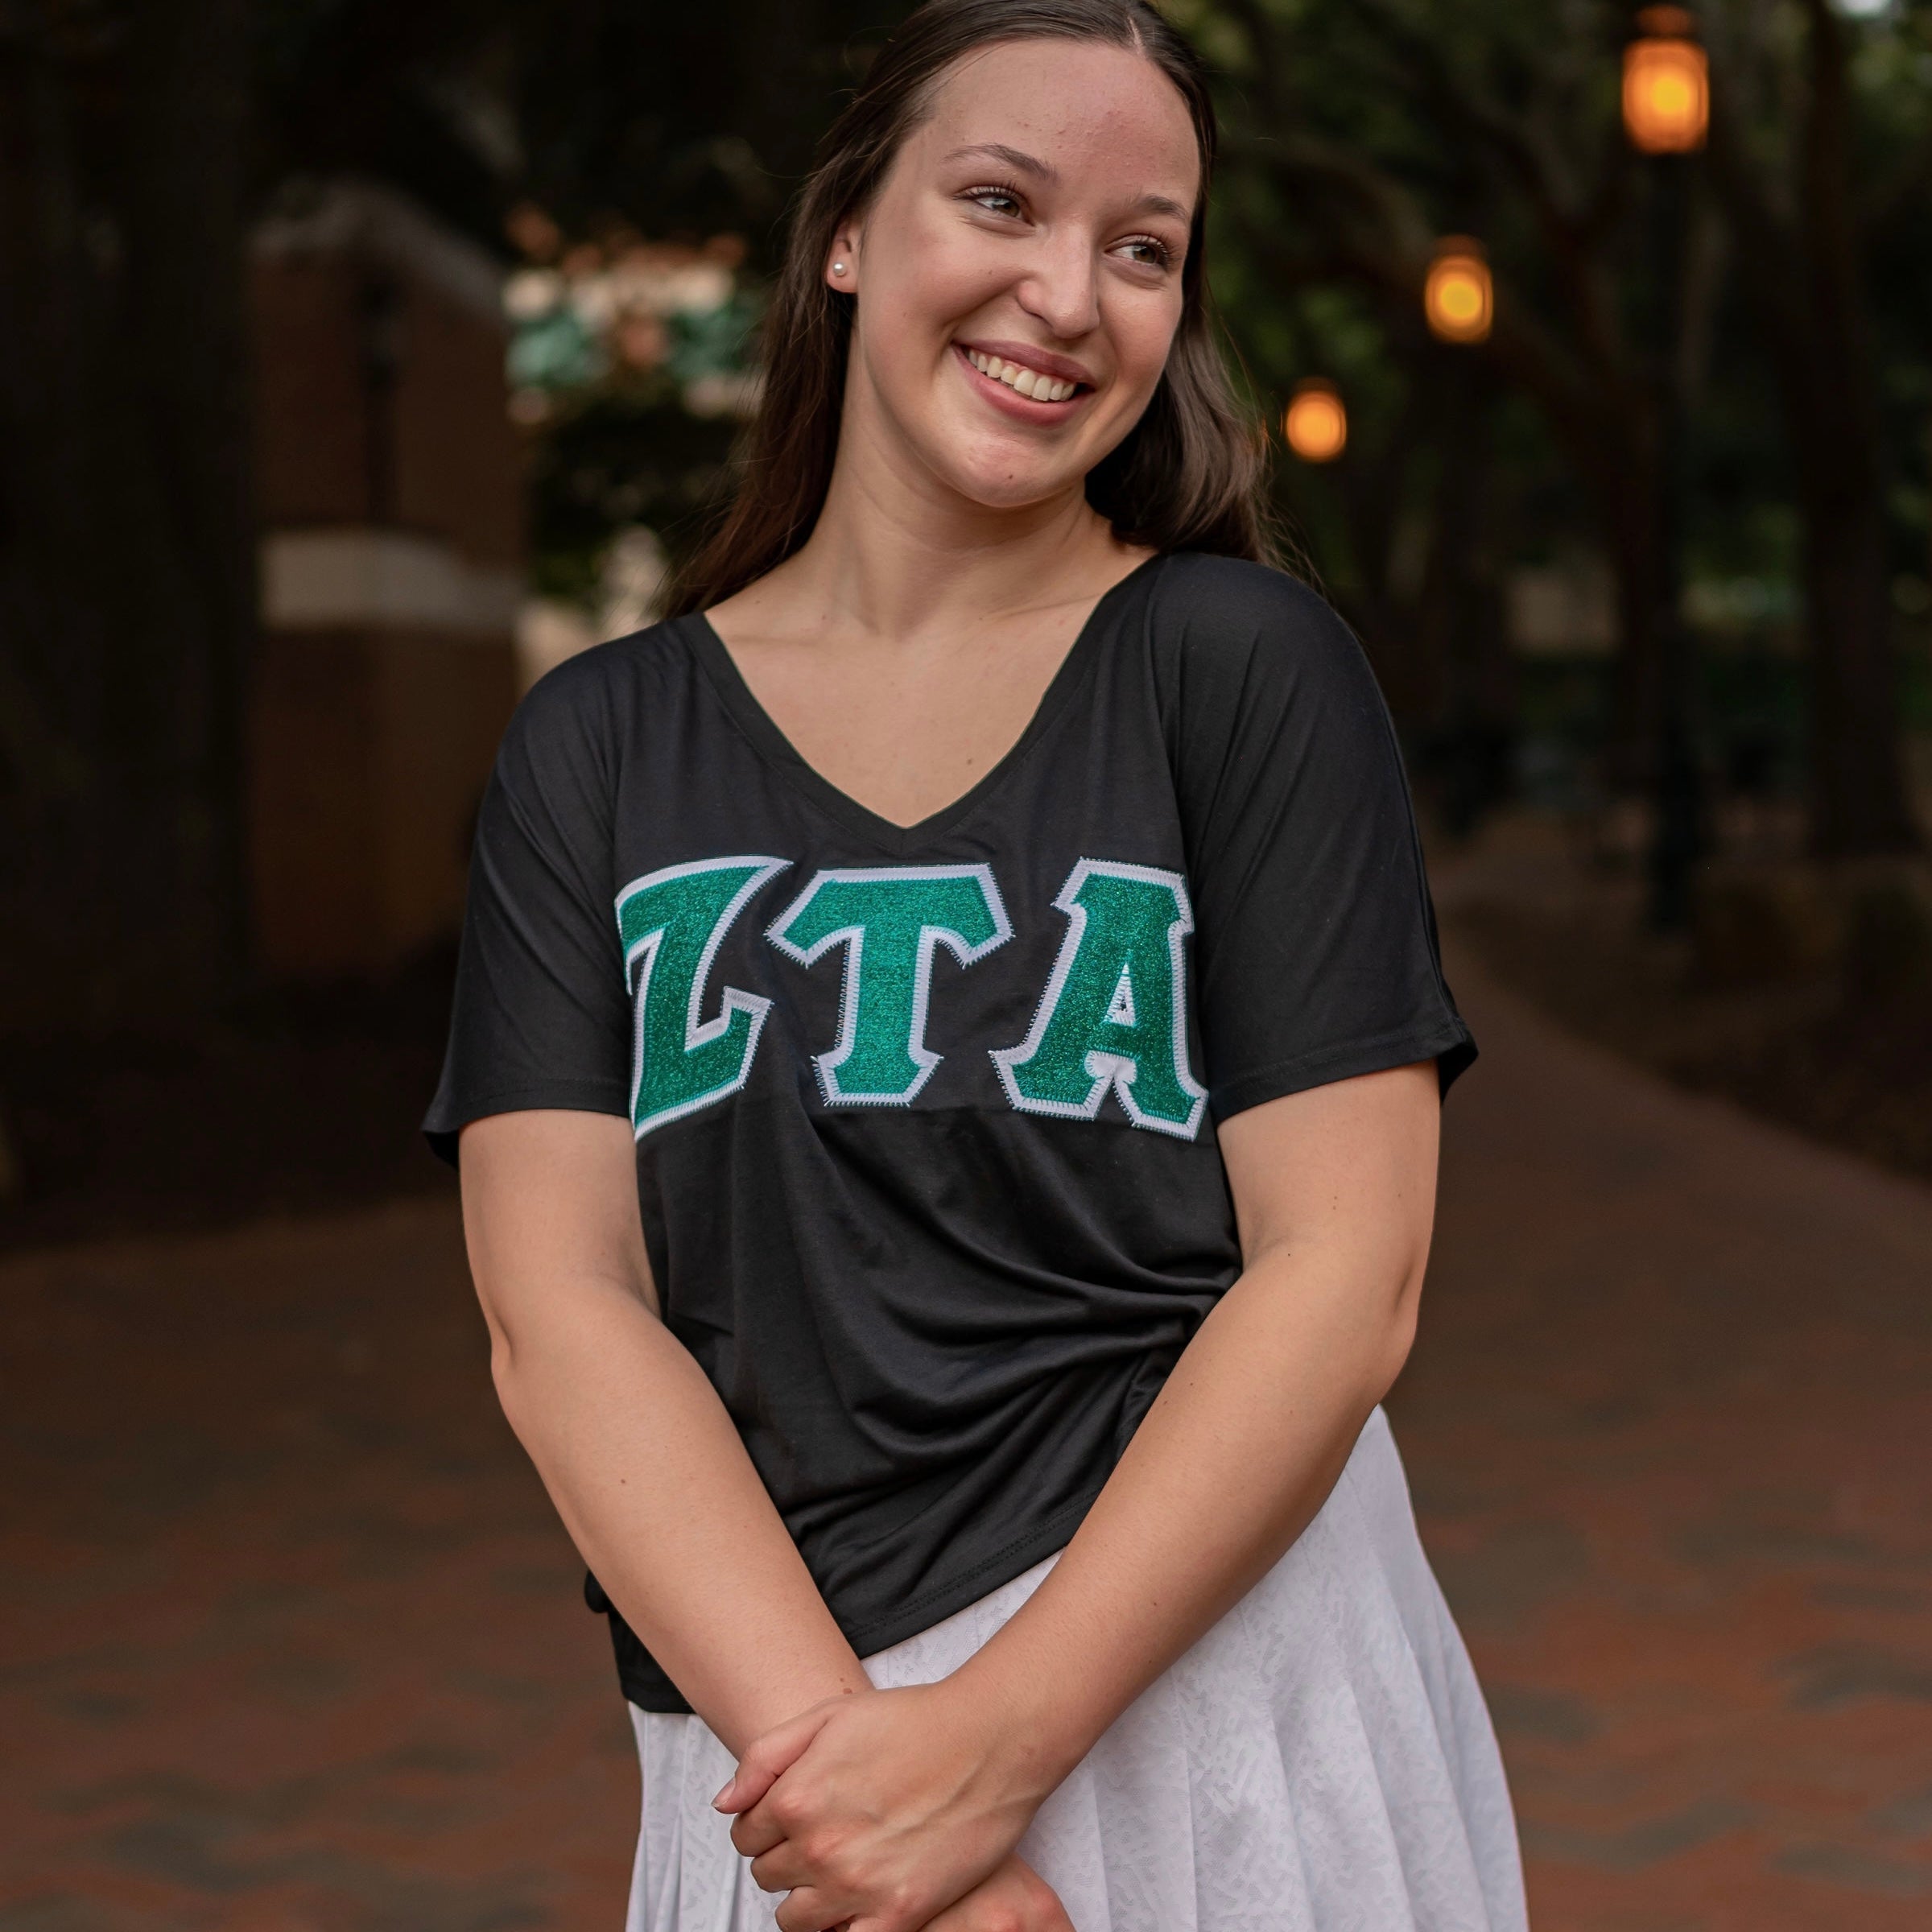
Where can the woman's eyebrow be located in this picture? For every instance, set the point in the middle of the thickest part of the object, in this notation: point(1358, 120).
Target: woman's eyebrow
point(1014, 157)
point(1023, 163)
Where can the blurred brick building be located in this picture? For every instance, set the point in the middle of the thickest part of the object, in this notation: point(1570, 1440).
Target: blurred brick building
point(392, 568)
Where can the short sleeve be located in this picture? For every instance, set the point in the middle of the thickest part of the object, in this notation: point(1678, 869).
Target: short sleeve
point(1314, 937)
point(539, 1016)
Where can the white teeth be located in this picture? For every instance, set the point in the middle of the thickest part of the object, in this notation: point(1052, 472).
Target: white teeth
point(1027, 381)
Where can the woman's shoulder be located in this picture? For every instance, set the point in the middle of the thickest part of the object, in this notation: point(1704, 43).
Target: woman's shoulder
point(1219, 620)
point(573, 732)
point(596, 692)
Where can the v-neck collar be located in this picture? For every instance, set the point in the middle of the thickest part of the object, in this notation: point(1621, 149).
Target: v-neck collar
point(762, 730)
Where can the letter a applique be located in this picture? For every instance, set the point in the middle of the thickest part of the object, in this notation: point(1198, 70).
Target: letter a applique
point(1114, 1015)
point(672, 924)
point(889, 919)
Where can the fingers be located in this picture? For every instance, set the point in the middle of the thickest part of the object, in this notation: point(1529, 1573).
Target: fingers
point(787, 1807)
point(768, 1755)
point(754, 1835)
point(781, 1869)
point(1012, 1898)
point(801, 1910)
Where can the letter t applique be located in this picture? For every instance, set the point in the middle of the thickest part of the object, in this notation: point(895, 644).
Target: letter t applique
point(889, 920)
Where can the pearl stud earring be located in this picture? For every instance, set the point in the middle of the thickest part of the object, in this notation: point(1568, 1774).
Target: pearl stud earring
point(838, 268)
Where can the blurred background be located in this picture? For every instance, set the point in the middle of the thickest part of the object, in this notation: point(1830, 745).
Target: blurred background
point(359, 362)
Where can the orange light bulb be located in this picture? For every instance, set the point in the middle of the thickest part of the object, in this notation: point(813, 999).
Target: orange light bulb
point(1666, 85)
point(1458, 297)
point(1316, 423)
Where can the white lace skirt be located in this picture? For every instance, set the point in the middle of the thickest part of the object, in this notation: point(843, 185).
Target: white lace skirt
point(1321, 1759)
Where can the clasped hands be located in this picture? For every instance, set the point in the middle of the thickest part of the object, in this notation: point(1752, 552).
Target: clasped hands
point(894, 1811)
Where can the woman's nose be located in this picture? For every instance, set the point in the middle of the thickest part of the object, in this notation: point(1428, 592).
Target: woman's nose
point(1062, 292)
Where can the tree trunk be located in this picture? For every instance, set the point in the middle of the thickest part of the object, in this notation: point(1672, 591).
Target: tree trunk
point(1806, 273)
point(1636, 688)
point(189, 217)
point(1858, 794)
point(126, 594)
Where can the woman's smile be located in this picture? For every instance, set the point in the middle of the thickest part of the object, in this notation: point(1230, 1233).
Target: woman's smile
point(1023, 390)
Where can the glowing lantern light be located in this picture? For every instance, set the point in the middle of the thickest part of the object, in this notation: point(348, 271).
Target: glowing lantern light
point(1316, 424)
point(1459, 299)
point(1666, 85)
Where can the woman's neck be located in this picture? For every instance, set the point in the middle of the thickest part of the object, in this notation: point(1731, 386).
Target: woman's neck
point(891, 559)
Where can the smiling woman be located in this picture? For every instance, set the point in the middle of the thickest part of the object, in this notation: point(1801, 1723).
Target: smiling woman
point(1179, 469)
point(946, 1063)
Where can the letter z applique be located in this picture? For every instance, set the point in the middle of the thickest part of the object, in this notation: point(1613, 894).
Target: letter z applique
point(672, 924)
point(889, 919)
point(1114, 1015)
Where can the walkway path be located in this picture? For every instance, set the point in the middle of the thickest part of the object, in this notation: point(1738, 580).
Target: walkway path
point(1669, 1429)
point(297, 1646)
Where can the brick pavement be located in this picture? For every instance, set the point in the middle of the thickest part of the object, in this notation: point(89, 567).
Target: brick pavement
point(293, 1642)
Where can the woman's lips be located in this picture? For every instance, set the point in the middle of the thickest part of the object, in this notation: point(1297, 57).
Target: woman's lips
point(1003, 396)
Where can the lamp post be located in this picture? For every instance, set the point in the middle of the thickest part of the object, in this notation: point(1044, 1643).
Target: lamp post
point(1457, 620)
point(1666, 106)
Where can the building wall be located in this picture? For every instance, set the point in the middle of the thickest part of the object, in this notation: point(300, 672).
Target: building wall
point(391, 501)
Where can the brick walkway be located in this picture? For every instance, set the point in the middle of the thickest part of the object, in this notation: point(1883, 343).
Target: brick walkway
point(295, 1646)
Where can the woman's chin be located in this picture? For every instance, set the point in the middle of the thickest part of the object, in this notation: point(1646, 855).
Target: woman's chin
point(1012, 486)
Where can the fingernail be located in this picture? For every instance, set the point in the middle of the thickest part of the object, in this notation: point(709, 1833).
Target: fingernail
point(730, 1784)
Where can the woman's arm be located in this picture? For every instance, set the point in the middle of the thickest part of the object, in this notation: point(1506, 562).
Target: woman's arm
point(636, 1449)
point(1333, 1191)
point(642, 1460)
point(1335, 1194)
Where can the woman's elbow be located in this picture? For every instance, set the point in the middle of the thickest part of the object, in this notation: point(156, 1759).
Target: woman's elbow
point(1398, 1328)
point(504, 1363)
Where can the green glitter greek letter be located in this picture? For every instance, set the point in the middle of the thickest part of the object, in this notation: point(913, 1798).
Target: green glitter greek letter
point(1114, 1015)
point(889, 919)
point(672, 924)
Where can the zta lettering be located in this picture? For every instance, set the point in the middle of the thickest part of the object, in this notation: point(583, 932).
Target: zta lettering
point(1112, 1018)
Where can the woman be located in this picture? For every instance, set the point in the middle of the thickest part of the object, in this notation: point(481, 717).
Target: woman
point(947, 1057)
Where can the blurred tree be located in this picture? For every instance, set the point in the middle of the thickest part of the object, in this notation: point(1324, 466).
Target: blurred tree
point(587, 129)
point(683, 126)
point(126, 581)
point(1365, 128)
point(1821, 150)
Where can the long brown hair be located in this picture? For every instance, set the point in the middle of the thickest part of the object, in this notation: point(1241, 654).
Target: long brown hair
point(1188, 476)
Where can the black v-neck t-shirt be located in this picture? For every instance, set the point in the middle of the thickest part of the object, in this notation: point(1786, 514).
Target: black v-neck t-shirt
point(925, 1117)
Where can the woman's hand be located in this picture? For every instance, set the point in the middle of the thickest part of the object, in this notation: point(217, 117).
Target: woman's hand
point(883, 1808)
point(1015, 1899)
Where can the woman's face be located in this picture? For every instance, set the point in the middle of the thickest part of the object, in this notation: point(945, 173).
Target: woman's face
point(1018, 272)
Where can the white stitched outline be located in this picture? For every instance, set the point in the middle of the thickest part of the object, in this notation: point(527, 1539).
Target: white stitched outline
point(827, 1065)
point(1110, 1070)
point(697, 1032)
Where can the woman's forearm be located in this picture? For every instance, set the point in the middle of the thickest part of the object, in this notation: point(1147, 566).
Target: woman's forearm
point(633, 1442)
point(656, 1489)
point(1334, 1192)
point(1235, 1457)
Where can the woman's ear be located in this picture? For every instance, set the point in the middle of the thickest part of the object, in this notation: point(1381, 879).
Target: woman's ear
point(842, 264)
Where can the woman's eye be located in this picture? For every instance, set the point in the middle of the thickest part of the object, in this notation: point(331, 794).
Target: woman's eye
point(995, 201)
point(1147, 249)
